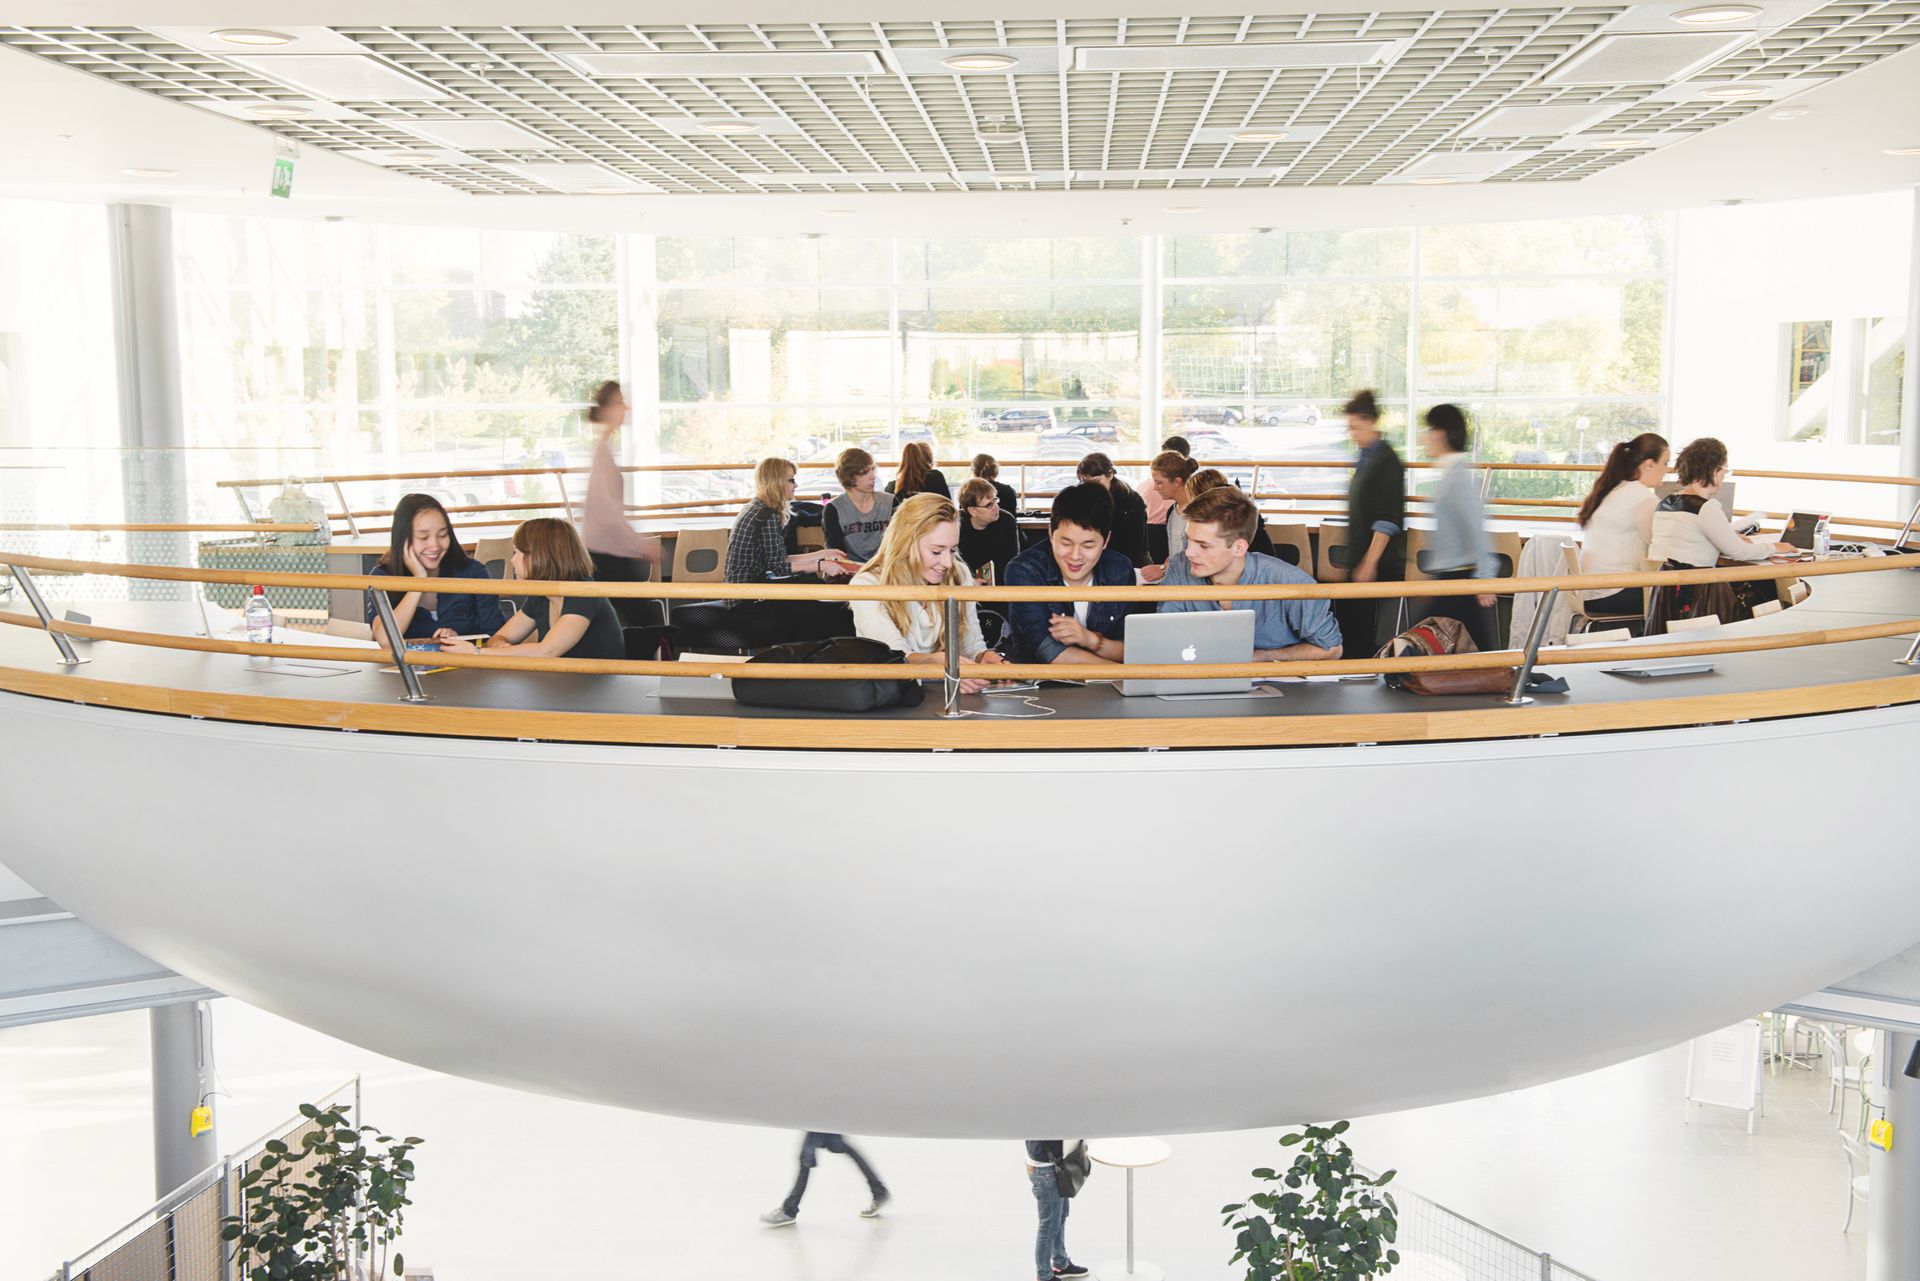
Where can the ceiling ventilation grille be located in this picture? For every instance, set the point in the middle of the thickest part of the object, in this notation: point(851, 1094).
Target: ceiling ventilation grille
point(1646, 59)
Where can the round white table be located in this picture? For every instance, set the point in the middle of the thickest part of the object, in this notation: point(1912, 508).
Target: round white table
point(1129, 1155)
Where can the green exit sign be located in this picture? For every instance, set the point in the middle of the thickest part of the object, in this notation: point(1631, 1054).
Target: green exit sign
point(283, 176)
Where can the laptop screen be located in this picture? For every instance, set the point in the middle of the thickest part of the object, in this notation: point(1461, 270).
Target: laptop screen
point(1801, 528)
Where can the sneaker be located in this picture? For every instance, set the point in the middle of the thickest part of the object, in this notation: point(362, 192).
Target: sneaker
point(1071, 1270)
point(777, 1219)
point(880, 1198)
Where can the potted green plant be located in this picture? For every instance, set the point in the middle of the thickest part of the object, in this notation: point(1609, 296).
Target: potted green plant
point(1323, 1218)
point(307, 1213)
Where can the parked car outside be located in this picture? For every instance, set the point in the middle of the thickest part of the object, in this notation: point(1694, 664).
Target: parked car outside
point(1100, 431)
point(889, 445)
point(1022, 419)
point(1300, 411)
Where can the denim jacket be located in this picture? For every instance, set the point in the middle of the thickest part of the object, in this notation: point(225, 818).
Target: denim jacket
point(1035, 567)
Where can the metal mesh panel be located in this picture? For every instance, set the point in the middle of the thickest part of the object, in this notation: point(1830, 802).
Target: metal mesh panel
point(196, 1235)
point(143, 1258)
point(1435, 1244)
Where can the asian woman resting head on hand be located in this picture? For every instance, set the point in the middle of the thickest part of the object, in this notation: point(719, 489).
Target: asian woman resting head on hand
point(921, 550)
point(553, 626)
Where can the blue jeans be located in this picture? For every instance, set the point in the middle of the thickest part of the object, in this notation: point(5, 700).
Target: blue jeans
point(810, 1147)
point(1050, 1243)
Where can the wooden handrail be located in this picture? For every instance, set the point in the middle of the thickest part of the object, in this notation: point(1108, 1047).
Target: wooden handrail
point(149, 527)
point(1420, 588)
point(1478, 661)
point(1282, 463)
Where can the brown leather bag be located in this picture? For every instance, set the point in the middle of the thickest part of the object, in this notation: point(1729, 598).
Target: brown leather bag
point(1438, 635)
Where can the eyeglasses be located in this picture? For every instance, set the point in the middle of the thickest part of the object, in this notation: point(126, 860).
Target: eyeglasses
point(991, 502)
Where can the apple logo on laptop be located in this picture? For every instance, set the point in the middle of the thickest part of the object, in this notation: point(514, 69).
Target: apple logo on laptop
point(1188, 654)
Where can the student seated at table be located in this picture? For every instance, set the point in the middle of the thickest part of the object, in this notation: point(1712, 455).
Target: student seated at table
point(855, 521)
point(421, 544)
point(1618, 519)
point(921, 549)
point(1220, 525)
point(917, 474)
point(989, 535)
point(757, 552)
point(1170, 472)
point(1129, 508)
point(553, 626)
point(1691, 531)
point(1213, 478)
point(987, 468)
point(1075, 554)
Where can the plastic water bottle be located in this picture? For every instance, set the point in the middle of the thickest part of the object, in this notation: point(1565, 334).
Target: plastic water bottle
point(259, 618)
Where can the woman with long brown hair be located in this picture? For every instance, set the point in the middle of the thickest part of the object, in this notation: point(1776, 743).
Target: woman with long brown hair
point(917, 474)
point(921, 549)
point(553, 626)
point(1617, 519)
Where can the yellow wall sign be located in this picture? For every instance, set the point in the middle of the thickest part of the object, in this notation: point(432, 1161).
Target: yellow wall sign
point(1880, 1134)
point(199, 1121)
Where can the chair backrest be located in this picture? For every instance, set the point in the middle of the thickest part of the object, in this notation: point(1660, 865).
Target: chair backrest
point(497, 555)
point(810, 538)
point(347, 629)
point(700, 555)
point(1333, 549)
point(1416, 545)
point(1291, 544)
point(1570, 553)
point(1506, 551)
point(1700, 624)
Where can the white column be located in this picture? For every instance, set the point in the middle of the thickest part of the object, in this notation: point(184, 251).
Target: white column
point(640, 360)
point(146, 333)
point(1152, 303)
point(1893, 1201)
point(182, 1080)
point(1910, 385)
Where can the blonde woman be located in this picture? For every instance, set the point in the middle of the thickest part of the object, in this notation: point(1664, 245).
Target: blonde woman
point(553, 626)
point(757, 549)
point(921, 549)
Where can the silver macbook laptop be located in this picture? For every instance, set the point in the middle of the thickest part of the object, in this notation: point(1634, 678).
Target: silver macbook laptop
point(1216, 636)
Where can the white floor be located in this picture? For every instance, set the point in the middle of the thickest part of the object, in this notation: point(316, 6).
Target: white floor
point(1605, 1171)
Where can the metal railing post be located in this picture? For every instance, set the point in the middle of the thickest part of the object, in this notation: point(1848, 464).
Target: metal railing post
point(1912, 658)
point(226, 1209)
point(1546, 1266)
point(353, 526)
point(952, 681)
point(1517, 697)
point(398, 645)
point(566, 503)
point(67, 657)
point(246, 512)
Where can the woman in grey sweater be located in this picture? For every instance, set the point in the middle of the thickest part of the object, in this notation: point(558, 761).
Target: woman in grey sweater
point(1460, 547)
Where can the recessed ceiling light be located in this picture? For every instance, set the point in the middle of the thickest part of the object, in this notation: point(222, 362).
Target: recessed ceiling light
point(1617, 144)
point(729, 125)
point(1713, 15)
point(838, 213)
point(151, 173)
point(980, 62)
point(609, 191)
point(253, 37)
point(279, 111)
point(1788, 113)
point(1260, 135)
point(1728, 93)
point(1433, 180)
point(1183, 209)
point(1902, 151)
point(406, 158)
point(997, 131)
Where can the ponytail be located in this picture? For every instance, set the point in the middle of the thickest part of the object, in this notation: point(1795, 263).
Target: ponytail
point(1625, 460)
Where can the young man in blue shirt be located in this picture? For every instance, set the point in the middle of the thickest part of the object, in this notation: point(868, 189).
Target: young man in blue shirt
point(1220, 523)
point(1075, 555)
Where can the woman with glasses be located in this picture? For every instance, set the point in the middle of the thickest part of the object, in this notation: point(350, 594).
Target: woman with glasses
point(758, 552)
point(1692, 531)
point(989, 536)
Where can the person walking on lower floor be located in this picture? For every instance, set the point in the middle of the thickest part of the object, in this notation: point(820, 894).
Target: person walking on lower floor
point(810, 1147)
point(1050, 1242)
